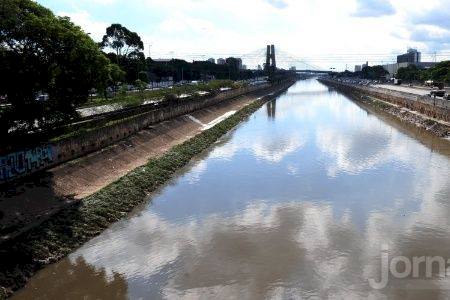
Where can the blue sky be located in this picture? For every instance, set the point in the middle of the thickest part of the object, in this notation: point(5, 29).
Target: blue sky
point(325, 33)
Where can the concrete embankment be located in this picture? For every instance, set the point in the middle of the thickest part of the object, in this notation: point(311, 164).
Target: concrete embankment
point(425, 112)
point(30, 200)
point(91, 135)
point(56, 237)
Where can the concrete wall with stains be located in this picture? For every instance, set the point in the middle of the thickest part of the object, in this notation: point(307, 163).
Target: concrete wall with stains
point(433, 107)
point(25, 162)
point(28, 161)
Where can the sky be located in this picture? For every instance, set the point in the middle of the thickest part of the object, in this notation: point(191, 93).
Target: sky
point(322, 33)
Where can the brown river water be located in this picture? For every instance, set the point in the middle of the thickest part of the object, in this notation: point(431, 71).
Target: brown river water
point(314, 196)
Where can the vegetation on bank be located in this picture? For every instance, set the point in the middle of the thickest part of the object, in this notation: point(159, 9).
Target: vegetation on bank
point(438, 73)
point(125, 98)
point(43, 53)
point(69, 229)
point(51, 66)
point(372, 73)
point(166, 95)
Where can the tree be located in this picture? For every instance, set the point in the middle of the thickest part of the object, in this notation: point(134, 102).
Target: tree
point(410, 73)
point(141, 86)
point(42, 53)
point(440, 72)
point(375, 72)
point(121, 40)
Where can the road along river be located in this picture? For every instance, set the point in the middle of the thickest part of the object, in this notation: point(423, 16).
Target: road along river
point(313, 196)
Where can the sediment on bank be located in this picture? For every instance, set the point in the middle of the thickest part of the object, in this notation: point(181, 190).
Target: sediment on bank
point(436, 127)
point(69, 229)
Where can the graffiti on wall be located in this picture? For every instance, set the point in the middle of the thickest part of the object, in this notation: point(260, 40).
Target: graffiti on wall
point(24, 162)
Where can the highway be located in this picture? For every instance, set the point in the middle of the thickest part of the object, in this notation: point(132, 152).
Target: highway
point(405, 89)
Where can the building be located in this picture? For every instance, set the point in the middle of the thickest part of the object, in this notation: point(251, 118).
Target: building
point(393, 68)
point(212, 60)
point(293, 68)
point(221, 61)
point(358, 68)
point(365, 65)
point(239, 63)
point(259, 68)
point(244, 67)
point(412, 56)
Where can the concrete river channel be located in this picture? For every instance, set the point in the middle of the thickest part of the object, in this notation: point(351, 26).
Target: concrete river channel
point(314, 196)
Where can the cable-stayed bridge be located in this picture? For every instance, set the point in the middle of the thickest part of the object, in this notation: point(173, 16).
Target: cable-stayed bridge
point(287, 60)
point(253, 59)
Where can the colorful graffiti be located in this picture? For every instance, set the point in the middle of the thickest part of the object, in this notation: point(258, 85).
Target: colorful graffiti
point(21, 163)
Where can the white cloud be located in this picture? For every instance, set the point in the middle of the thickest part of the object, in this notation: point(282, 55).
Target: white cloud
point(83, 19)
point(319, 30)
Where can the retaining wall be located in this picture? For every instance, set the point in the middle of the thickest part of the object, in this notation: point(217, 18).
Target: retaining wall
point(27, 161)
point(433, 107)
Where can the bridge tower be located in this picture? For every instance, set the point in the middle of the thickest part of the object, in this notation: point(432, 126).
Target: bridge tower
point(271, 65)
point(272, 57)
point(268, 58)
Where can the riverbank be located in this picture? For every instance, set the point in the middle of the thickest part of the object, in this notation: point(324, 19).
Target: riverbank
point(27, 202)
point(421, 119)
point(70, 228)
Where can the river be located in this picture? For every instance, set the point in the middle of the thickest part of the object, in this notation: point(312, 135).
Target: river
point(306, 198)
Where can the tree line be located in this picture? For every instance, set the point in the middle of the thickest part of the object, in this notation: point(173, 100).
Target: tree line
point(41, 53)
point(438, 73)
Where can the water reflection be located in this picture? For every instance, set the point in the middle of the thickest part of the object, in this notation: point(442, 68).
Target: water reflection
point(271, 109)
point(91, 283)
point(295, 207)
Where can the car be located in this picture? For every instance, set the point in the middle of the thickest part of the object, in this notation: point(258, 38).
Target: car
point(42, 97)
point(437, 93)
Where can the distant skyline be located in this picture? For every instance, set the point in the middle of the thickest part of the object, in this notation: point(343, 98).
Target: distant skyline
point(325, 33)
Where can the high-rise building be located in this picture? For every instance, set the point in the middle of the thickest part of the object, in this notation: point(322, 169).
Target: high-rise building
point(412, 56)
point(221, 61)
point(212, 60)
point(358, 68)
point(239, 63)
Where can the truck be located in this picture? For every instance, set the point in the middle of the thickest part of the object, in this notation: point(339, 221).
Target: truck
point(397, 81)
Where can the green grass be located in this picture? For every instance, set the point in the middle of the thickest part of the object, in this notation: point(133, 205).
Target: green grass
point(137, 98)
point(70, 228)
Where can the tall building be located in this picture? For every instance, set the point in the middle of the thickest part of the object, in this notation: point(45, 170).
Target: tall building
point(358, 68)
point(221, 61)
point(412, 56)
point(212, 60)
point(239, 63)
